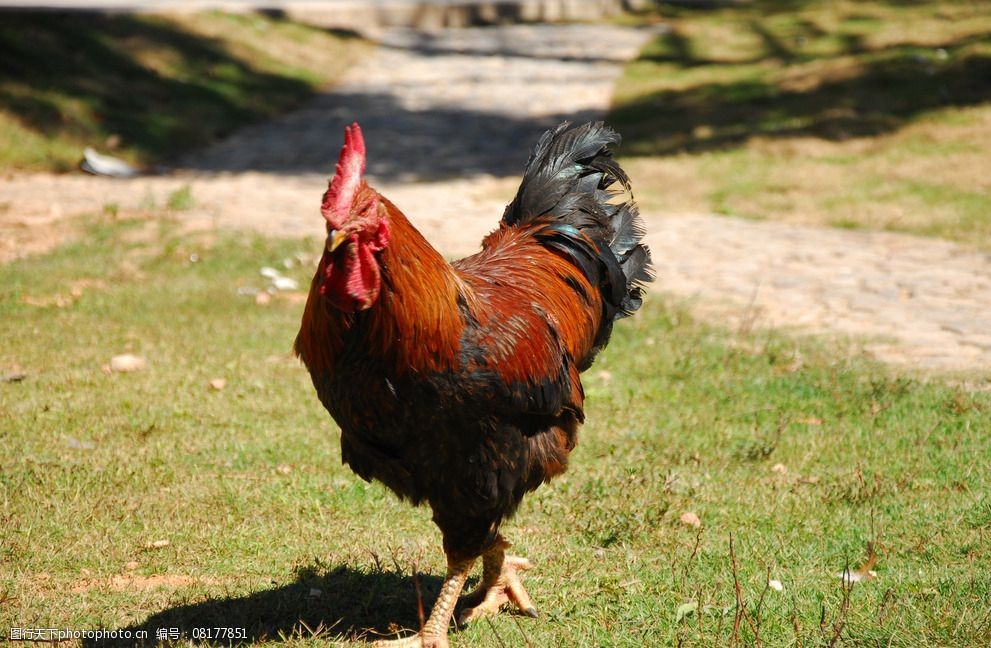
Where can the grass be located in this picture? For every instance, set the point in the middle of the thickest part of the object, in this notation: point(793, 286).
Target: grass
point(180, 199)
point(861, 114)
point(149, 87)
point(151, 500)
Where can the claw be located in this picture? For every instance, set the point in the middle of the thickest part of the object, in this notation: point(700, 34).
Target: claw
point(500, 585)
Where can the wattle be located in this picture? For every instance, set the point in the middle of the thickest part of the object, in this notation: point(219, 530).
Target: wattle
point(352, 279)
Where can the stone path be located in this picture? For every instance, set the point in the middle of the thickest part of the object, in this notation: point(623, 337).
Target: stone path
point(455, 103)
point(925, 303)
point(450, 118)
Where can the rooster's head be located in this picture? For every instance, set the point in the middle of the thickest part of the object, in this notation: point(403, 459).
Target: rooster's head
point(357, 230)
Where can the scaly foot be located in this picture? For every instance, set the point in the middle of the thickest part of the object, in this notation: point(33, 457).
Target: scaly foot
point(416, 641)
point(500, 585)
point(434, 632)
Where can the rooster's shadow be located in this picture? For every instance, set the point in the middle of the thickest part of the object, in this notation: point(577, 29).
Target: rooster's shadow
point(341, 603)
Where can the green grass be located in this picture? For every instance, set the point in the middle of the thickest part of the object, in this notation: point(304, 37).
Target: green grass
point(181, 198)
point(869, 113)
point(267, 531)
point(147, 87)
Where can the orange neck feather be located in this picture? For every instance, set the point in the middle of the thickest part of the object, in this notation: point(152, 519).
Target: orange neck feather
point(414, 325)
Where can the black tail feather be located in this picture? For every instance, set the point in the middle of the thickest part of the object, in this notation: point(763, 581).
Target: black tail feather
point(569, 182)
point(639, 272)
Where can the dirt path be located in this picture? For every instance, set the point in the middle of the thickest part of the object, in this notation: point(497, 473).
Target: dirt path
point(449, 120)
point(918, 302)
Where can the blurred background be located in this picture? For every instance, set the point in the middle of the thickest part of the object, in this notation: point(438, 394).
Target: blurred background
point(840, 116)
point(844, 114)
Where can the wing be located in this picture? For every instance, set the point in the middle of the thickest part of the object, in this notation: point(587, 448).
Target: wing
point(531, 320)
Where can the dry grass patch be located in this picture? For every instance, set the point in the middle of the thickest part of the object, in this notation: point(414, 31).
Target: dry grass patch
point(134, 582)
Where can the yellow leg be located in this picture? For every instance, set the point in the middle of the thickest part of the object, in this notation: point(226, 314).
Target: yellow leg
point(500, 585)
point(434, 633)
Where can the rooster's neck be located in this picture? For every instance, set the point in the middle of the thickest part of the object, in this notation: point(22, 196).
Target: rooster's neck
point(416, 322)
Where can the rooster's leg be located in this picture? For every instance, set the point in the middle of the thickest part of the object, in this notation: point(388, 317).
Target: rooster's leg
point(500, 584)
point(434, 633)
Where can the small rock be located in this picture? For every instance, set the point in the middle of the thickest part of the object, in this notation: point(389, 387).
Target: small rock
point(779, 468)
point(218, 384)
point(599, 553)
point(285, 283)
point(856, 576)
point(690, 519)
point(270, 273)
point(105, 165)
point(263, 298)
point(157, 544)
point(283, 469)
point(127, 362)
point(775, 585)
point(76, 444)
point(13, 376)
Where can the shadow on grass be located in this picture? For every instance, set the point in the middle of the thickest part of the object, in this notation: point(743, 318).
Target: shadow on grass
point(159, 88)
point(878, 95)
point(340, 602)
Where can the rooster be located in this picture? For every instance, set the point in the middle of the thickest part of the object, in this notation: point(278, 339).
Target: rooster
point(457, 384)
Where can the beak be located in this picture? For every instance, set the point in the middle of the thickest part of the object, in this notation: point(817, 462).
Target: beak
point(334, 239)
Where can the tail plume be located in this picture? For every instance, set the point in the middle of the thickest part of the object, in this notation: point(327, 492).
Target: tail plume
point(570, 183)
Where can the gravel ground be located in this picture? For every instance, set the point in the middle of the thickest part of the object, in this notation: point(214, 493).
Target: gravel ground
point(450, 117)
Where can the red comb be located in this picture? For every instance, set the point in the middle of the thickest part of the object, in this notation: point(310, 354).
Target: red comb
point(343, 186)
